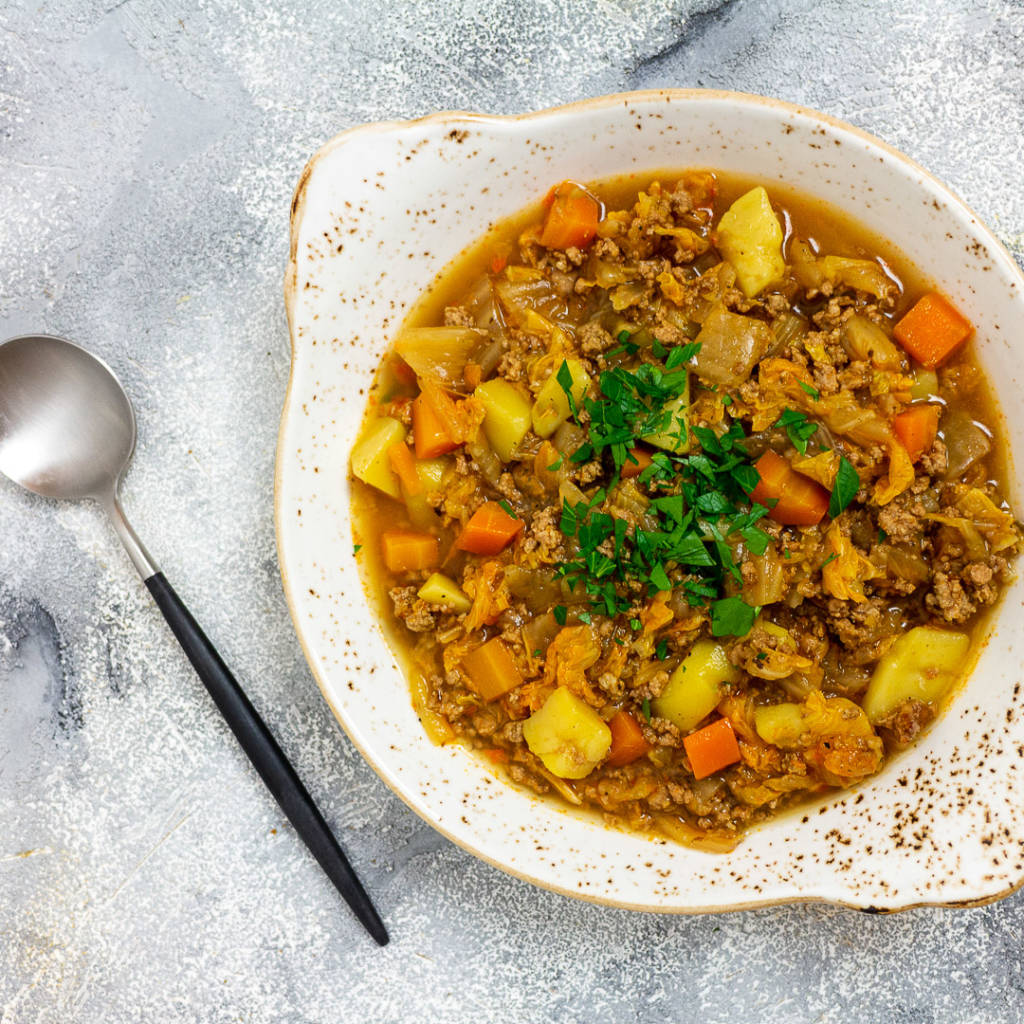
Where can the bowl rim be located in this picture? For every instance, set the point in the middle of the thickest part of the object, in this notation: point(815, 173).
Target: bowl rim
point(455, 116)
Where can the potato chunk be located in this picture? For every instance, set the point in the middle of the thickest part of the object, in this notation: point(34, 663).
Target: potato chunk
point(440, 590)
point(506, 415)
point(568, 735)
point(696, 686)
point(370, 454)
point(750, 238)
point(551, 408)
point(924, 663)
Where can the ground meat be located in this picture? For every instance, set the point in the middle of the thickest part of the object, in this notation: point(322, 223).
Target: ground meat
point(934, 462)
point(543, 533)
point(949, 599)
point(906, 721)
point(412, 610)
point(826, 380)
point(458, 316)
point(526, 778)
point(900, 523)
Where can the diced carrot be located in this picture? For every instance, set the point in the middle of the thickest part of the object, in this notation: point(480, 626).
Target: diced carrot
point(932, 329)
point(498, 264)
point(403, 371)
point(428, 432)
point(571, 219)
point(408, 551)
point(799, 501)
point(628, 741)
point(404, 466)
point(916, 428)
point(634, 469)
point(496, 755)
point(472, 374)
point(712, 748)
point(490, 669)
point(489, 530)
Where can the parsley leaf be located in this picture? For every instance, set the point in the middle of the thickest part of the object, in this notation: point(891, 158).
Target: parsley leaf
point(813, 392)
point(732, 616)
point(845, 489)
point(798, 428)
point(559, 612)
point(646, 706)
point(508, 508)
point(356, 548)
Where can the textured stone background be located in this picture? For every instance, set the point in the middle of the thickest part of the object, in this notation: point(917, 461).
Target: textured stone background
point(147, 158)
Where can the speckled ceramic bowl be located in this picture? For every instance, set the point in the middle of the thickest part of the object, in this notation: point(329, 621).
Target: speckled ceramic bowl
point(383, 208)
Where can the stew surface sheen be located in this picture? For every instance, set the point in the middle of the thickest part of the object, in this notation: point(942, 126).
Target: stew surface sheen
point(683, 501)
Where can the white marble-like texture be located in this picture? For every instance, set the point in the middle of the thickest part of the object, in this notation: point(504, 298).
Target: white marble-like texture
point(147, 157)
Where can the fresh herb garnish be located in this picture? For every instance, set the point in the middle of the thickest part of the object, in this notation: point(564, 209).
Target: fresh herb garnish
point(698, 512)
point(356, 548)
point(881, 536)
point(557, 464)
point(813, 392)
point(508, 508)
point(845, 488)
point(798, 428)
point(732, 616)
point(559, 612)
point(624, 336)
point(661, 649)
point(646, 708)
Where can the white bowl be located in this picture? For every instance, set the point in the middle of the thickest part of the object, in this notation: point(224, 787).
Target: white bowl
point(377, 213)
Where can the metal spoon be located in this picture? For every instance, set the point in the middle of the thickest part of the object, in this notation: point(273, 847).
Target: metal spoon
point(67, 430)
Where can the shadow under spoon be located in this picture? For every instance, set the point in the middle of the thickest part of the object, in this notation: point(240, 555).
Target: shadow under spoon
point(67, 430)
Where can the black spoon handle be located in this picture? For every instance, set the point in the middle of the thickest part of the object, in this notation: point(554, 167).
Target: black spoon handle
point(266, 756)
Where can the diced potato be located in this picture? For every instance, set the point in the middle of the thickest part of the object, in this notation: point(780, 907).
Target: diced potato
point(796, 726)
point(696, 686)
point(551, 408)
point(370, 454)
point(923, 664)
point(926, 384)
point(731, 345)
point(782, 725)
point(750, 238)
point(675, 437)
point(507, 415)
point(568, 735)
point(441, 590)
point(431, 472)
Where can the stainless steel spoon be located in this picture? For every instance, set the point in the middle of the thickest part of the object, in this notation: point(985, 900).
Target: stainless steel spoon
point(67, 430)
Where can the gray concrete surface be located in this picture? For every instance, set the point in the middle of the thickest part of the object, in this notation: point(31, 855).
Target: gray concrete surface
point(147, 157)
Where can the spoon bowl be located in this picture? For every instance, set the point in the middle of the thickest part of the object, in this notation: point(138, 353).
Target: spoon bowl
point(67, 429)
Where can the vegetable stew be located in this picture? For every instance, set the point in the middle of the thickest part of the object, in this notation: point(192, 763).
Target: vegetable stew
point(684, 497)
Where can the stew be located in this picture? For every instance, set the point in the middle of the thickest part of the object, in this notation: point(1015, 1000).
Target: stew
point(686, 498)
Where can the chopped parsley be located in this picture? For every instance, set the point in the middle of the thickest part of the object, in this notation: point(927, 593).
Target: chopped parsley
point(699, 517)
point(661, 649)
point(356, 548)
point(557, 464)
point(845, 488)
point(559, 612)
point(798, 428)
point(881, 536)
point(646, 707)
point(732, 616)
point(624, 336)
point(813, 392)
point(508, 508)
